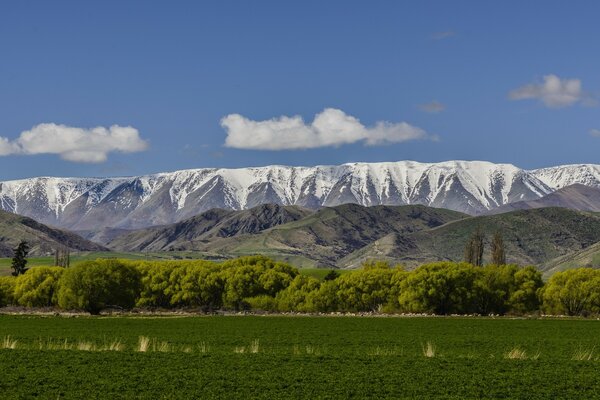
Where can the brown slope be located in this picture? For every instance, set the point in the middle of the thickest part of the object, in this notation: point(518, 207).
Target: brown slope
point(195, 232)
point(42, 239)
point(575, 197)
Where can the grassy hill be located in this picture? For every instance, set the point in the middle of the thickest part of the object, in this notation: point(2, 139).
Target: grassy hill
point(588, 257)
point(531, 237)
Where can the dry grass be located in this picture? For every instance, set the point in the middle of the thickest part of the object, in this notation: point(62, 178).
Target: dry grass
point(239, 349)
point(9, 343)
point(203, 347)
point(116, 345)
point(583, 355)
point(143, 344)
point(162, 347)
point(429, 350)
point(186, 349)
point(86, 346)
point(516, 353)
point(255, 346)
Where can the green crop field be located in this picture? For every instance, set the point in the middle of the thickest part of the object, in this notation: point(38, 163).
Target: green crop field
point(297, 357)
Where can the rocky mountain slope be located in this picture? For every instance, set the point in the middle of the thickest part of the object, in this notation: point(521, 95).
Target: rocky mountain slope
point(43, 240)
point(574, 197)
point(472, 187)
point(197, 231)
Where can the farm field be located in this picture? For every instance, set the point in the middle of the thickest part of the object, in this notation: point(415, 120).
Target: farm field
point(298, 357)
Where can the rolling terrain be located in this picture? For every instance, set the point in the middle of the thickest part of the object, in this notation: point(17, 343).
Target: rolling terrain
point(531, 237)
point(320, 238)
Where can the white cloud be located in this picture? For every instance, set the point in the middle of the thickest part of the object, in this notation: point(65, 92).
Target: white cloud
point(433, 107)
point(554, 92)
point(330, 127)
point(75, 144)
point(595, 132)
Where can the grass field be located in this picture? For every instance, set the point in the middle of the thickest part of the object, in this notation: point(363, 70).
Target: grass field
point(297, 357)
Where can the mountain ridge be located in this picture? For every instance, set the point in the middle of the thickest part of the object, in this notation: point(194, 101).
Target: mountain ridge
point(472, 187)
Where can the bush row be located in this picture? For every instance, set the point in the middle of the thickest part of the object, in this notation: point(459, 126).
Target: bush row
point(259, 283)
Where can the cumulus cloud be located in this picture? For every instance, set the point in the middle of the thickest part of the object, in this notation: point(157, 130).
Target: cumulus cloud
point(330, 127)
point(433, 107)
point(595, 132)
point(554, 92)
point(75, 144)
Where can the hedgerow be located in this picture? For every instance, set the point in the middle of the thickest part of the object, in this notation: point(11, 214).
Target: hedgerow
point(259, 283)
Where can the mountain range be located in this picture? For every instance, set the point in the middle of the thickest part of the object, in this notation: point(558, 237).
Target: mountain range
point(92, 204)
point(332, 216)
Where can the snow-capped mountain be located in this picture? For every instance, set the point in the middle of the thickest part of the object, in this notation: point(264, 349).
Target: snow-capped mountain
point(134, 202)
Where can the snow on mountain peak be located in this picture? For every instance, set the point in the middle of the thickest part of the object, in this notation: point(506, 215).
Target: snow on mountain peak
point(467, 186)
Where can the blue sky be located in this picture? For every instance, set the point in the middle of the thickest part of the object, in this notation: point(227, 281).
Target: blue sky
point(514, 82)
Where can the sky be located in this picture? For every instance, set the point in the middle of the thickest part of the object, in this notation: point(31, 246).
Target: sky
point(119, 88)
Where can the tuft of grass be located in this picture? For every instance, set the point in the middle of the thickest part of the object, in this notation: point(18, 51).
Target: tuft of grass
point(583, 355)
point(162, 347)
point(86, 346)
point(429, 350)
point(203, 347)
point(143, 344)
point(255, 346)
point(115, 345)
point(239, 349)
point(516, 353)
point(9, 343)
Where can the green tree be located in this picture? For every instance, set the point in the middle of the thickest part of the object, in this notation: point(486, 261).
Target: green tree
point(38, 287)
point(474, 248)
point(439, 288)
point(492, 288)
point(7, 290)
point(331, 275)
point(95, 285)
point(19, 261)
point(299, 295)
point(364, 290)
point(498, 256)
point(572, 292)
point(525, 297)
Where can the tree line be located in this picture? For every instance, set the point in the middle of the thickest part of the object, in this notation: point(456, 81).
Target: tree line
point(259, 283)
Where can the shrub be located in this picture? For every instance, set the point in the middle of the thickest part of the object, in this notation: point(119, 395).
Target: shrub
point(7, 289)
point(440, 288)
point(38, 287)
point(298, 295)
point(95, 285)
point(573, 292)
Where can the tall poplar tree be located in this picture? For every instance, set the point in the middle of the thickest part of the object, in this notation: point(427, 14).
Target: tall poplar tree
point(498, 254)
